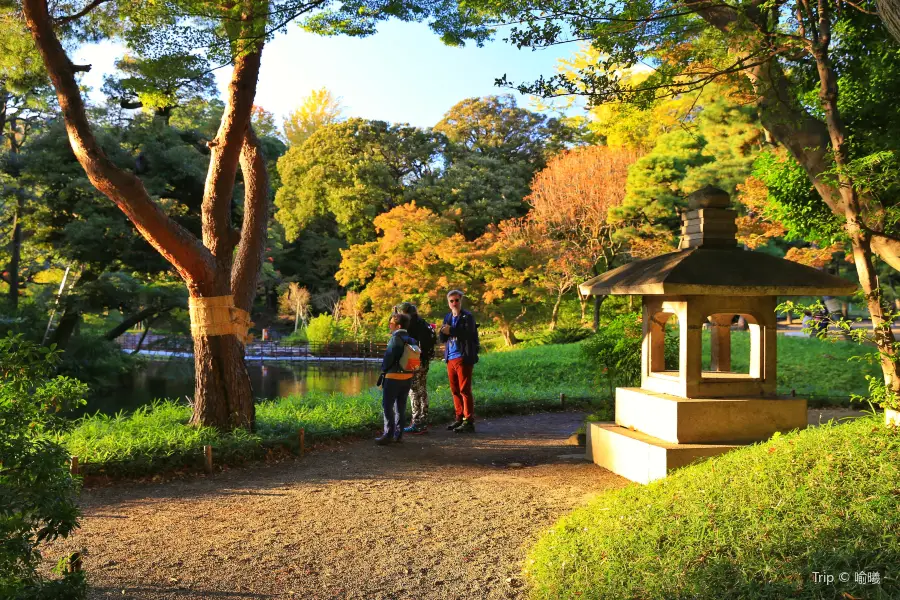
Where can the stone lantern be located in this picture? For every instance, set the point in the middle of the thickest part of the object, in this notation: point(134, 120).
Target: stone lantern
point(690, 412)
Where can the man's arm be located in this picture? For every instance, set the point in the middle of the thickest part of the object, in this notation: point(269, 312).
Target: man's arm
point(441, 335)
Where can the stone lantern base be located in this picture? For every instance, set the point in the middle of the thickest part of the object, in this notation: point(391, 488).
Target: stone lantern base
point(655, 433)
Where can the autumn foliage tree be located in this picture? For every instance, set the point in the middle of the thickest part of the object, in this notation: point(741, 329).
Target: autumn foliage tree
point(573, 196)
point(418, 256)
point(571, 204)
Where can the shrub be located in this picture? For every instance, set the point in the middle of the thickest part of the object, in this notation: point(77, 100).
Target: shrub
point(295, 337)
point(324, 329)
point(567, 335)
point(37, 493)
point(752, 524)
point(615, 351)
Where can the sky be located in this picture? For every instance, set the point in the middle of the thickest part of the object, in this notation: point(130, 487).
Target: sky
point(403, 74)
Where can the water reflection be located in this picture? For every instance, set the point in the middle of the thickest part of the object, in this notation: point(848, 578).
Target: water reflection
point(175, 379)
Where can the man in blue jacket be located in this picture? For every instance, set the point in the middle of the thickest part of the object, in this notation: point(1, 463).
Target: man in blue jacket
point(395, 382)
point(460, 333)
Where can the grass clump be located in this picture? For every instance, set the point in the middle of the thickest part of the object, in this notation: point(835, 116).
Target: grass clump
point(753, 524)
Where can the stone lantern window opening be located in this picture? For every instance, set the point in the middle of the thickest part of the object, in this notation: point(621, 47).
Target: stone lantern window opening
point(722, 356)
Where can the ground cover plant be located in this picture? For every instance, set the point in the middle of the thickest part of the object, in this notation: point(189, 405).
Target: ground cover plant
point(37, 492)
point(756, 523)
point(158, 438)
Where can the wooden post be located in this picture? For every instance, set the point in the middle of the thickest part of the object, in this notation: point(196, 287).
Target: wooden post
point(562, 401)
point(73, 465)
point(207, 452)
point(720, 343)
point(302, 435)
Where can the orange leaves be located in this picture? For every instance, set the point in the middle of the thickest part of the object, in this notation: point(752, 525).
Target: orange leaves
point(572, 196)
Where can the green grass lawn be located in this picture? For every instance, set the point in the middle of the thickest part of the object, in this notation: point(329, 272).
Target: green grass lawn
point(752, 524)
point(157, 438)
point(818, 370)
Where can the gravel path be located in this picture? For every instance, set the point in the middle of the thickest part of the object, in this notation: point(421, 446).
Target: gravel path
point(439, 516)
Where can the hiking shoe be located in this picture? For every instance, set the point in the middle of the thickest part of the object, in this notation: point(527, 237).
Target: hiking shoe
point(416, 429)
point(384, 440)
point(467, 426)
point(452, 426)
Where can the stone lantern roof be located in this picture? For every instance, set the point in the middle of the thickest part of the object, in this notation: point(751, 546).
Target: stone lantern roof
point(709, 262)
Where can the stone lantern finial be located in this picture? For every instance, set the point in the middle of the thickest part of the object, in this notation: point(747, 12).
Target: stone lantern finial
point(708, 222)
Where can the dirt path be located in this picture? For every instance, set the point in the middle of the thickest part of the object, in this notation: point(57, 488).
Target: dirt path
point(439, 516)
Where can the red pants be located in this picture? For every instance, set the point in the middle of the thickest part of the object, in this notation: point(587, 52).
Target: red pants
point(460, 377)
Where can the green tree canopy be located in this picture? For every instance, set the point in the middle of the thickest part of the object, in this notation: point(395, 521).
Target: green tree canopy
point(354, 171)
point(160, 83)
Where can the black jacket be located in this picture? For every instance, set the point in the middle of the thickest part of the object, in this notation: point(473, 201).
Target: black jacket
point(419, 329)
point(466, 334)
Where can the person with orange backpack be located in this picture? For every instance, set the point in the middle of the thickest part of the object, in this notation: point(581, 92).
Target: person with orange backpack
point(426, 334)
point(401, 359)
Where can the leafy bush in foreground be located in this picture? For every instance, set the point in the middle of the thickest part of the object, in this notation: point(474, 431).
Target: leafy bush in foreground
point(753, 524)
point(37, 493)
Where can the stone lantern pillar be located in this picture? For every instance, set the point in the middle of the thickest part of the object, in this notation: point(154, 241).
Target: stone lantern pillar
point(703, 407)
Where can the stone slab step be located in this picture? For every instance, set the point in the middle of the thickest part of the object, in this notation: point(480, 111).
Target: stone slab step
point(707, 420)
point(640, 457)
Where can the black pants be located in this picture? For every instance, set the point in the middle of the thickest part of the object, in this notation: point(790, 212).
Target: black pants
point(393, 401)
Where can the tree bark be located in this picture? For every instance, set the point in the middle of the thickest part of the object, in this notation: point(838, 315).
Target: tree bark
point(143, 337)
point(211, 268)
point(15, 253)
point(598, 300)
point(509, 335)
point(68, 323)
point(554, 315)
point(582, 300)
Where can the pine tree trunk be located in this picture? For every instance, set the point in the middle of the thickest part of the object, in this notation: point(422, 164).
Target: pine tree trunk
point(225, 261)
point(68, 323)
point(223, 397)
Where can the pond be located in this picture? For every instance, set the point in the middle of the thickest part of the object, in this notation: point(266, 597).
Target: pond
point(175, 379)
